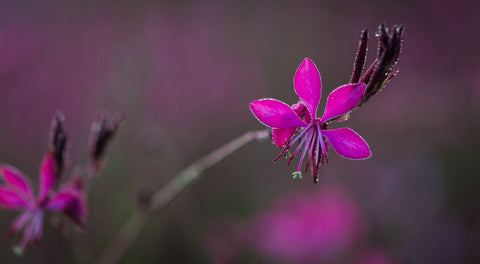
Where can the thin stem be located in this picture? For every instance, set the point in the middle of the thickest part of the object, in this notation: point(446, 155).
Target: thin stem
point(162, 198)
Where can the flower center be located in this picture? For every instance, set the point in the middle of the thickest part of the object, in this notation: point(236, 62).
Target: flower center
point(314, 148)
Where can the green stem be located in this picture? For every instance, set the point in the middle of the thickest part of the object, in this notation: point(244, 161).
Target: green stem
point(130, 231)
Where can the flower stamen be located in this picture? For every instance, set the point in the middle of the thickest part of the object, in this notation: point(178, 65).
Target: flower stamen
point(293, 142)
point(309, 135)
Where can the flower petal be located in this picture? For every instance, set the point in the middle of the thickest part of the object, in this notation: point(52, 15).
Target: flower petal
point(302, 111)
point(342, 100)
point(27, 238)
point(37, 223)
point(308, 85)
point(275, 113)
point(19, 222)
point(47, 176)
point(281, 136)
point(71, 201)
point(347, 143)
point(12, 199)
point(60, 201)
point(15, 178)
point(72, 205)
point(77, 211)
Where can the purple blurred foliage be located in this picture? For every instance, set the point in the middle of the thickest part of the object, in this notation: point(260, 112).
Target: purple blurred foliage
point(197, 71)
point(373, 256)
point(53, 68)
point(19, 42)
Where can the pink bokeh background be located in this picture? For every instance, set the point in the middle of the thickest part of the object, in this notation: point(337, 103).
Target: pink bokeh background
point(184, 73)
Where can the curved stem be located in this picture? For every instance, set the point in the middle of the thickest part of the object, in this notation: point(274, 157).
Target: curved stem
point(162, 198)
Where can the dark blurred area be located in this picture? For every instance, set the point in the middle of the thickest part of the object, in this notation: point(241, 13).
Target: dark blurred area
point(184, 72)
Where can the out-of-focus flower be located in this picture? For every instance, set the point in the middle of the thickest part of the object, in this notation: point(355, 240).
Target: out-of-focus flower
point(306, 229)
point(312, 131)
point(101, 133)
point(58, 142)
point(16, 194)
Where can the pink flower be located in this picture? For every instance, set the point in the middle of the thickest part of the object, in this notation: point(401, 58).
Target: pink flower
point(312, 131)
point(305, 229)
point(16, 193)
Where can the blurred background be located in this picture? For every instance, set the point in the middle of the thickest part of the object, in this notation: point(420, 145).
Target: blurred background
point(184, 73)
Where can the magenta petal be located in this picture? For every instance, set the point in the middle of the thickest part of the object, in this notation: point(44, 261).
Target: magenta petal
point(308, 85)
point(275, 113)
point(19, 222)
point(16, 179)
point(71, 201)
point(71, 204)
point(302, 111)
point(47, 176)
point(37, 223)
point(60, 201)
point(347, 143)
point(281, 136)
point(27, 237)
point(77, 211)
point(12, 199)
point(342, 100)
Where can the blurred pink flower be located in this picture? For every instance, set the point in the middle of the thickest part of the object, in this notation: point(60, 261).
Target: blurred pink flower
point(16, 193)
point(306, 229)
point(285, 120)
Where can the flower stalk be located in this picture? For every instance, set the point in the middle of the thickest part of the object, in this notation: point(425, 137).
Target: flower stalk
point(165, 195)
